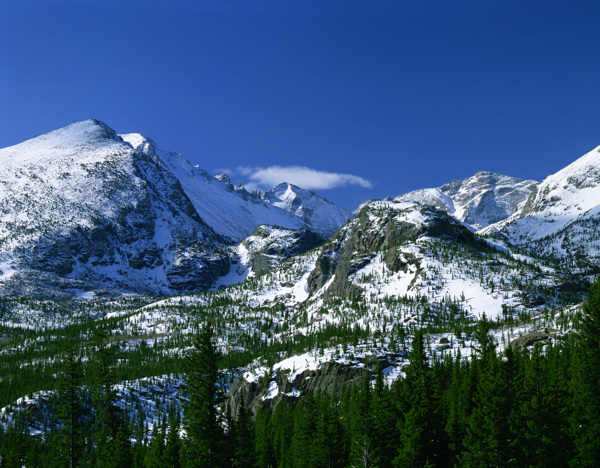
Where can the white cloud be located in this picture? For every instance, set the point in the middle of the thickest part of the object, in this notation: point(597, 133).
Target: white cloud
point(303, 177)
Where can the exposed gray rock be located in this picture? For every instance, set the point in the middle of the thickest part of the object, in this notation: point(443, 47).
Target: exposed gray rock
point(329, 377)
point(374, 230)
point(270, 245)
point(373, 360)
point(97, 211)
point(532, 298)
point(478, 201)
point(530, 339)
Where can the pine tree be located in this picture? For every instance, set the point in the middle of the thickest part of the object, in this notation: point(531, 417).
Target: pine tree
point(109, 423)
point(154, 455)
point(263, 444)
point(202, 445)
point(328, 433)
point(304, 427)
point(173, 444)
point(281, 431)
point(384, 418)
point(418, 433)
point(243, 437)
point(536, 418)
point(69, 408)
point(363, 449)
point(586, 383)
point(122, 456)
point(487, 441)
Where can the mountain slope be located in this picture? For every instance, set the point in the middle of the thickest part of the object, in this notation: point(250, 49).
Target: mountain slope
point(236, 213)
point(561, 217)
point(478, 201)
point(80, 208)
point(317, 213)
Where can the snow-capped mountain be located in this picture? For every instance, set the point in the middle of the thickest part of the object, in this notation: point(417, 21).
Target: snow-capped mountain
point(317, 213)
point(236, 213)
point(477, 201)
point(82, 208)
point(561, 217)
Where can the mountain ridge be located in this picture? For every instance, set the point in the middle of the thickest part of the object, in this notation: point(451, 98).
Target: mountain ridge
point(82, 209)
point(233, 211)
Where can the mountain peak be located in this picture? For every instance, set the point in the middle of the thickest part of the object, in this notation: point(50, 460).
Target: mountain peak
point(141, 143)
point(317, 213)
point(88, 130)
point(479, 200)
point(75, 140)
point(233, 211)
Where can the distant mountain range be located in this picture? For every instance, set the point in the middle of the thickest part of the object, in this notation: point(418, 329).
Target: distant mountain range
point(83, 209)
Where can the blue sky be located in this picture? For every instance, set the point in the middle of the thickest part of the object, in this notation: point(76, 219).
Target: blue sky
point(354, 99)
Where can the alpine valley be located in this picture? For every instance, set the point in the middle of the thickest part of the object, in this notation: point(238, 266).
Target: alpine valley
point(127, 252)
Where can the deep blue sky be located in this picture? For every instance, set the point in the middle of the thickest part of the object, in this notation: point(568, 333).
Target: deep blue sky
point(406, 94)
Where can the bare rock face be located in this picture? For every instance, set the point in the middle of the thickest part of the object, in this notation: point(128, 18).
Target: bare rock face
point(270, 245)
point(85, 203)
point(330, 377)
point(316, 213)
point(235, 213)
point(560, 220)
point(487, 198)
point(379, 227)
point(287, 387)
point(530, 339)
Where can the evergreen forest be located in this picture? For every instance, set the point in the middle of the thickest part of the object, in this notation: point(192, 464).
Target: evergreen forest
point(534, 407)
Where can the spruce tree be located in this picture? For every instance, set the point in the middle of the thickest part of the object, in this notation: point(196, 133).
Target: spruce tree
point(243, 437)
point(154, 455)
point(204, 434)
point(384, 418)
point(487, 439)
point(328, 434)
point(363, 448)
point(304, 428)
point(281, 431)
point(263, 443)
point(173, 444)
point(69, 407)
point(586, 383)
point(417, 424)
point(110, 428)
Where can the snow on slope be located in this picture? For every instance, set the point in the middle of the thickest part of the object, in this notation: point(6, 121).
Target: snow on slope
point(397, 262)
point(561, 219)
point(80, 203)
point(233, 211)
point(478, 201)
point(317, 213)
point(402, 249)
point(263, 250)
point(571, 193)
point(81, 208)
